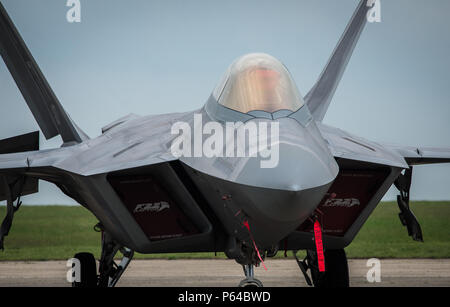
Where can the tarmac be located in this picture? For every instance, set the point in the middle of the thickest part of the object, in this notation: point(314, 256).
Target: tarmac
point(227, 273)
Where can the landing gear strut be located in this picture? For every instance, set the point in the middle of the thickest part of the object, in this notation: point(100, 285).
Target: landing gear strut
point(336, 269)
point(250, 280)
point(12, 192)
point(248, 258)
point(109, 271)
point(407, 217)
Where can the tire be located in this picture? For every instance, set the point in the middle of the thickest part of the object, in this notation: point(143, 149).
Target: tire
point(250, 283)
point(336, 270)
point(88, 271)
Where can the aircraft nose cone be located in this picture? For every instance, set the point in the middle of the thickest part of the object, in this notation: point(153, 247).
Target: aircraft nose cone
point(298, 168)
point(298, 160)
point(291, 190)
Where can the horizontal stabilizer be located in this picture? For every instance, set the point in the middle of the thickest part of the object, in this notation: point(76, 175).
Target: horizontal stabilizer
point(21, 143)
point(39, 96)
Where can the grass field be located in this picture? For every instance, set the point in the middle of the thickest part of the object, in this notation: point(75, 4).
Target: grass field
point(58, 232)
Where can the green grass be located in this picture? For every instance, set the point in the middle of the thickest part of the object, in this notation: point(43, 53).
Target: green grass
point(58, 232)
point(383, 236)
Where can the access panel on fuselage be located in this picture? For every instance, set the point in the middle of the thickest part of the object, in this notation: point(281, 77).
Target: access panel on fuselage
point(348, 196)
point(153, 208)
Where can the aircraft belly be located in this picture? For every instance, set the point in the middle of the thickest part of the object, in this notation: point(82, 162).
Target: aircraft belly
point(271, 214)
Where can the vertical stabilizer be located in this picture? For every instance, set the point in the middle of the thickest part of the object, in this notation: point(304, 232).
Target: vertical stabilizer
point(46, 109)
point(319, 97)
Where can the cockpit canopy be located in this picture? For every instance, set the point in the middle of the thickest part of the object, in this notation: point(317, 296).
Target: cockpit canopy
point(258, 82)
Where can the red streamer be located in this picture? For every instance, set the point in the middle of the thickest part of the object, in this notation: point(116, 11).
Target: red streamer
point(319, 246)
point(254, 244)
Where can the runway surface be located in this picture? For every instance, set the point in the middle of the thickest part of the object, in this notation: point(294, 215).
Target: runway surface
point(216, 273)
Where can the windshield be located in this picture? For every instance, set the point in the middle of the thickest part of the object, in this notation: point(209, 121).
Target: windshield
point(258, 82)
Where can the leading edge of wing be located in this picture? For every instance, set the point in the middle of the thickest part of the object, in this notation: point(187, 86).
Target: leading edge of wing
point(422, 155)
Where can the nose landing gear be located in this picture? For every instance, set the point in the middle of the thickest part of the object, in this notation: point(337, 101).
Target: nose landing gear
point(248, 258)
point(250, 280)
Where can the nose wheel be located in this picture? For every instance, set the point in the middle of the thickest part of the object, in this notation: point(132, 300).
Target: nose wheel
point(250, 280)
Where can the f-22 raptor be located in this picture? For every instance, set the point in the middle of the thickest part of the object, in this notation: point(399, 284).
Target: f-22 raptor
point(149, 199)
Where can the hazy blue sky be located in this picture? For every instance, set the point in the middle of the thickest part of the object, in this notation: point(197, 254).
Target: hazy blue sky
point(150, 57)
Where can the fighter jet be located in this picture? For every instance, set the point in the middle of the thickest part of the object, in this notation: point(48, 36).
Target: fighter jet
point(155, 190)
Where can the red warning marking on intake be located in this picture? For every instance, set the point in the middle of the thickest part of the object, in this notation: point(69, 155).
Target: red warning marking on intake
point(319, 246)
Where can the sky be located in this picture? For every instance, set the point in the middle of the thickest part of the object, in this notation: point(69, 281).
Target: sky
point(152, 57)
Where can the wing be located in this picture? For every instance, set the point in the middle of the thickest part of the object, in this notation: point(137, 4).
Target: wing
point(319, 97)
point(348, 146)
point(422, 155)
